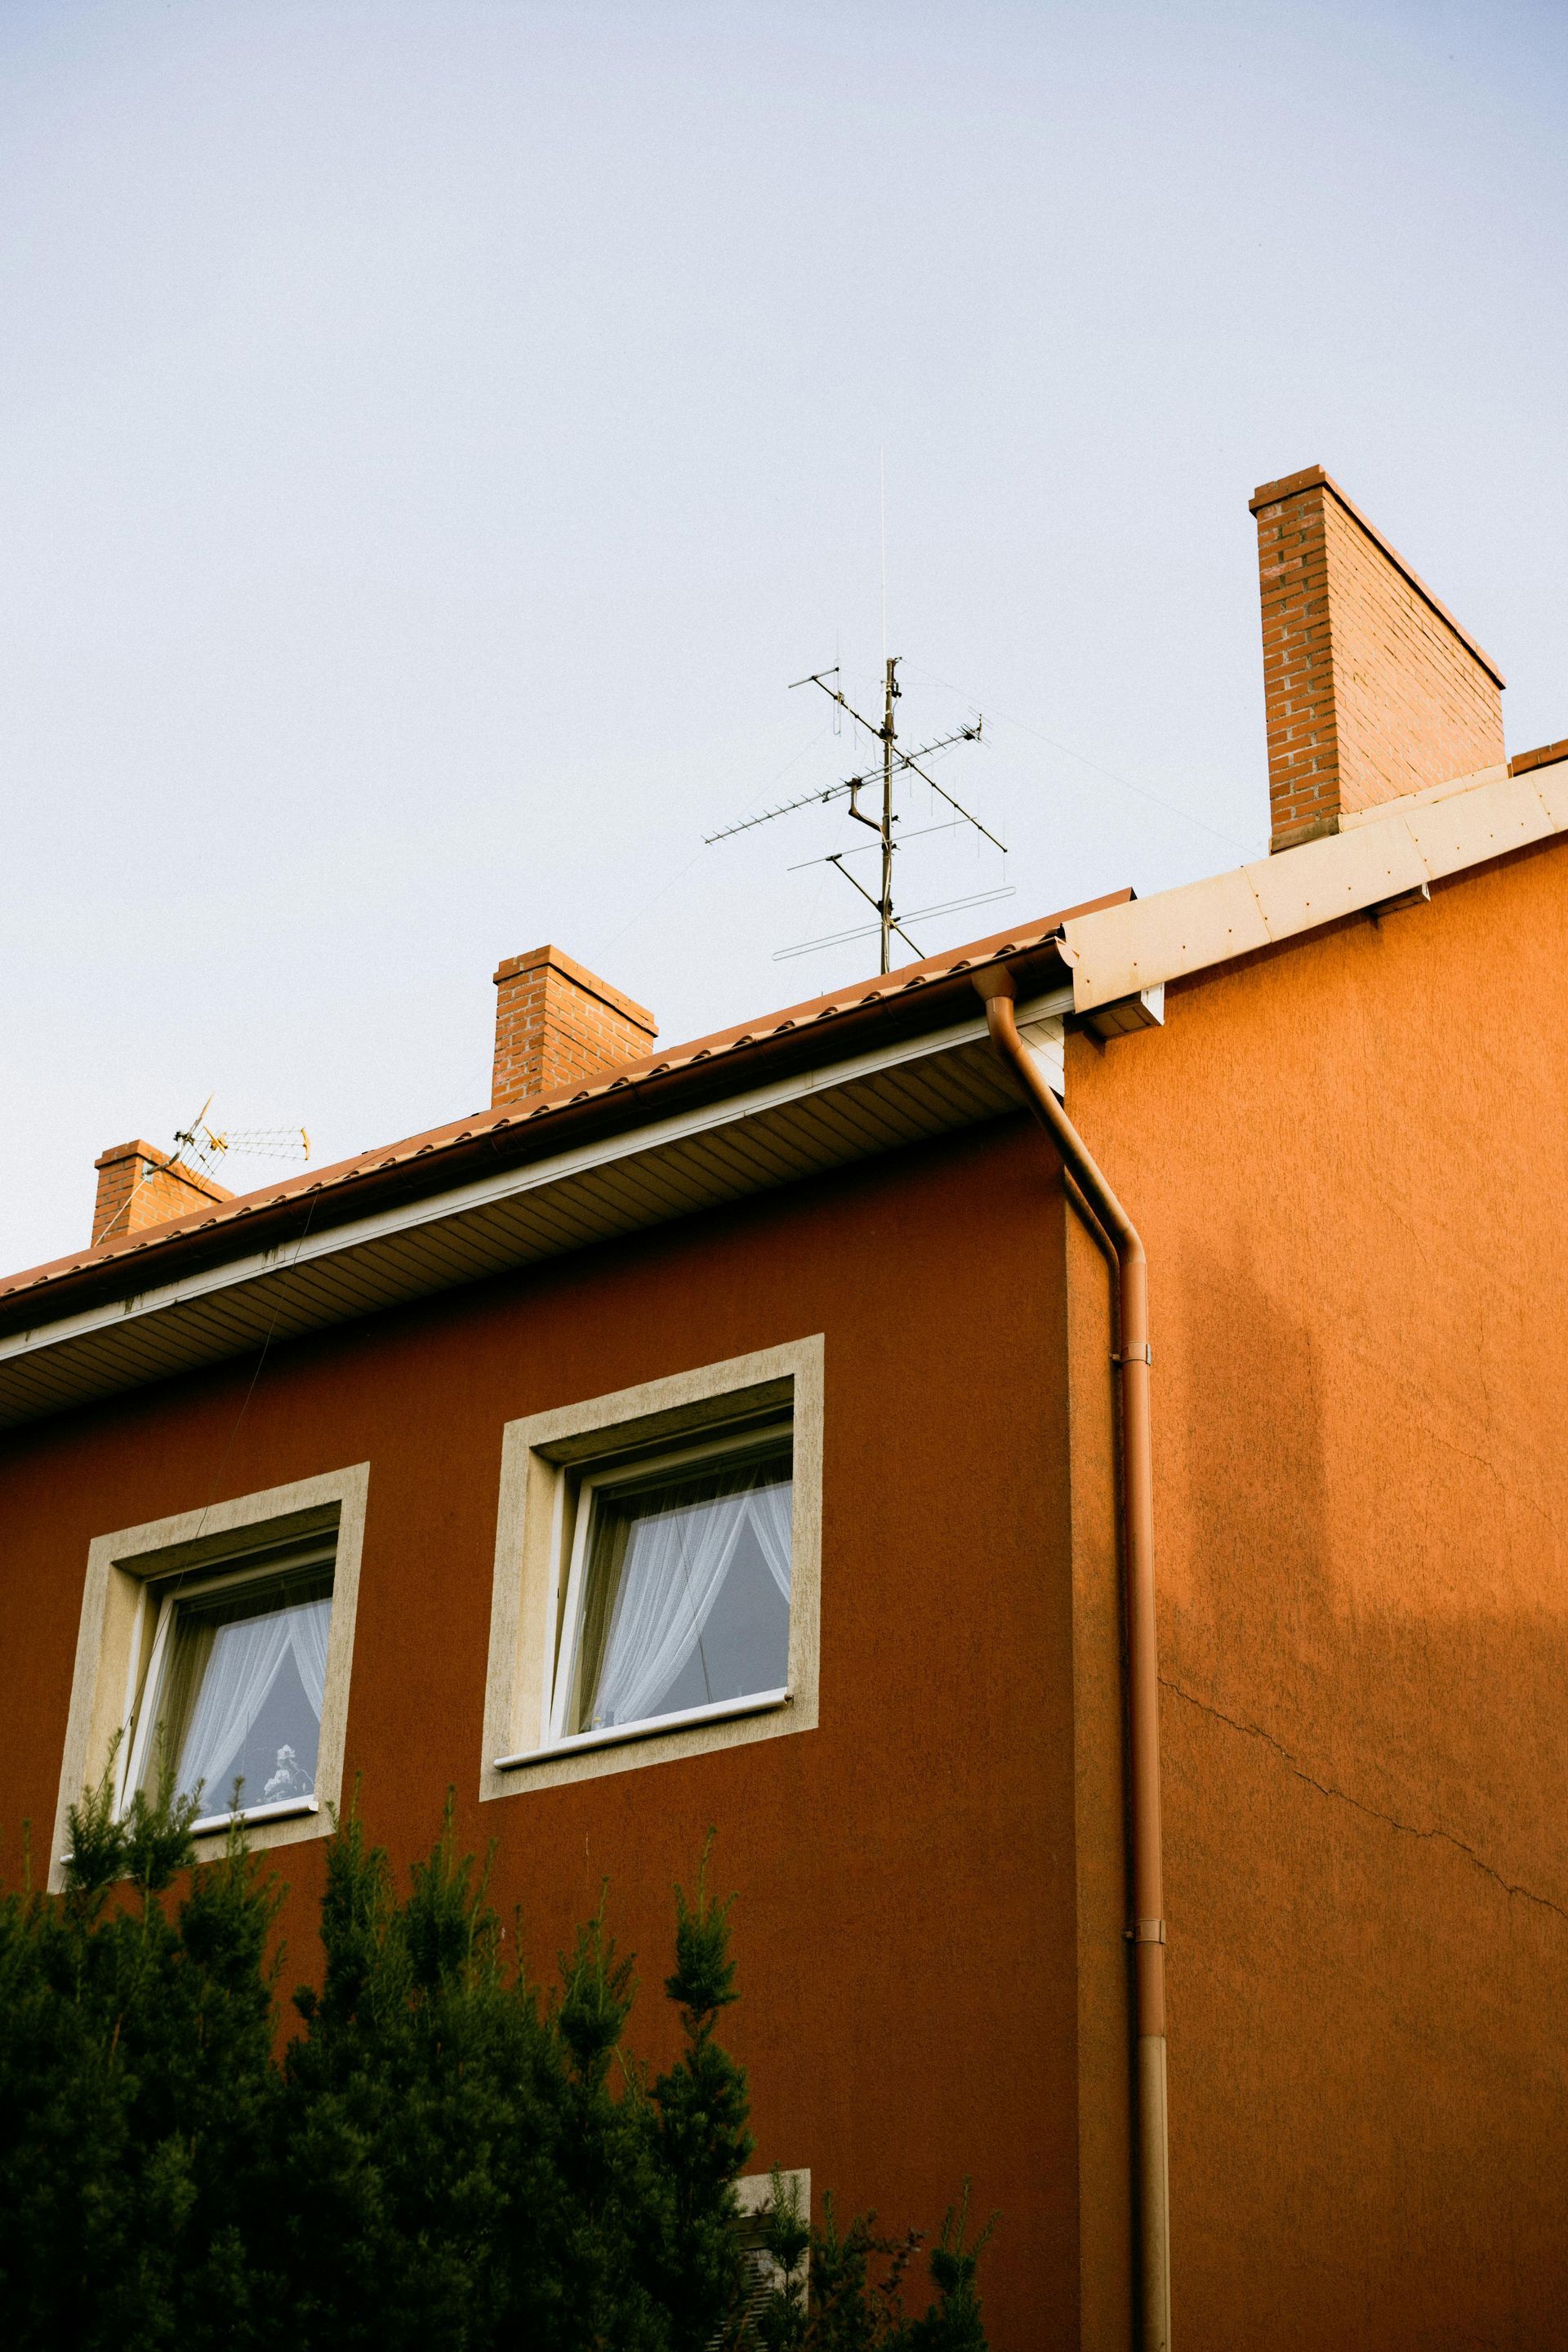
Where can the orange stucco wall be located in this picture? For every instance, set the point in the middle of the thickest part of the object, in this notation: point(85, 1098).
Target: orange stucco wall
point(1347, 1158)
point(908, 1899)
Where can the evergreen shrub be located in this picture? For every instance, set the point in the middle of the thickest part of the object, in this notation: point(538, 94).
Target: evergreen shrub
point(444, 2156)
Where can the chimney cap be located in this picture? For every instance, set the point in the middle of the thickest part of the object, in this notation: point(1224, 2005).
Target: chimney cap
point(1314, 478)
point(1546, 756)
point(536, 958)
point(138, 1149)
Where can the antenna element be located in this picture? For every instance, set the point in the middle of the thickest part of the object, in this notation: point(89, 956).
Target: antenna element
point(894, 762)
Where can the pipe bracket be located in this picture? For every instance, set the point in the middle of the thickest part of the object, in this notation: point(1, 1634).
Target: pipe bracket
point(1143, 1355)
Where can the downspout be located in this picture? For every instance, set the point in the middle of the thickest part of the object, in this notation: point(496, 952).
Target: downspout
point(1132, 1354)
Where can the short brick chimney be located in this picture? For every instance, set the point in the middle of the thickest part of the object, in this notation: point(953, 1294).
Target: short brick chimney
point(558, 1024)
point(1372, 688)
point(140, 1186)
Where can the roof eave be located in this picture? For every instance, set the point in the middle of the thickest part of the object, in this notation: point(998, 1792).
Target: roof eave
point(900, 1005)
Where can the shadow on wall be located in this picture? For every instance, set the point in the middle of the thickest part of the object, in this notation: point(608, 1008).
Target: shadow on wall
point(1368, 1903)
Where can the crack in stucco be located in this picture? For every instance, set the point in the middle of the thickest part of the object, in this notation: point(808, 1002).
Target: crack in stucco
point(1375, 1812)
point(1483, 1462)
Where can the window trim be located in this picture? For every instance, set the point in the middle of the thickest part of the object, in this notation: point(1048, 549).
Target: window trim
point(124, 1566)
point(547, 1459)
point(283, 1810)
point(718, 1710)
point(568, 1632)
point(165, 1594)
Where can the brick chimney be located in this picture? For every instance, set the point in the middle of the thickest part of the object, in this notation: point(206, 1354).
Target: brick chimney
point(140, 1186)
point(1373, 689)
point(557, 1024)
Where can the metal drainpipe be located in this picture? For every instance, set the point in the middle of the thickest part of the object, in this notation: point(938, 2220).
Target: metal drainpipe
point(1132, 1354)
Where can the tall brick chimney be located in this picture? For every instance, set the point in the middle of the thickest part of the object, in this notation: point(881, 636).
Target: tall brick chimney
point(1373, 689)
point(557, 1023)
point(140, 1186)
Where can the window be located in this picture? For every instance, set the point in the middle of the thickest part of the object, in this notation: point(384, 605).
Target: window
point(232, 1626)
point(677, 1598)
point(658, 1572)
point(235, 1684)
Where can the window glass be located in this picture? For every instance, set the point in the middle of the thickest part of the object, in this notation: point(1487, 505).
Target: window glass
point(685, 1591)
point(239, 1688)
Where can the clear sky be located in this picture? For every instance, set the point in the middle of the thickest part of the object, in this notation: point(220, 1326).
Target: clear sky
point(433, 437)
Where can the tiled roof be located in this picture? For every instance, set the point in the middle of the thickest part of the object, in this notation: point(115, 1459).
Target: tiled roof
point(739, 1049)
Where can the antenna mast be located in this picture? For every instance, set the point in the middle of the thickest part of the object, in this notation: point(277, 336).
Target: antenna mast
point(889, 695)
point(895, 762)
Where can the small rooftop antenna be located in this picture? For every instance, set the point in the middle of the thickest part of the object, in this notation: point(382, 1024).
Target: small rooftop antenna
point(882, 517)
point(894, 762)
point(199, 1148)
point(204, 1148)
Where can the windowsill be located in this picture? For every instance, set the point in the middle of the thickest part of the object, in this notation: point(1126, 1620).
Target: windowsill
point(211, 1823)
point(721, 1710)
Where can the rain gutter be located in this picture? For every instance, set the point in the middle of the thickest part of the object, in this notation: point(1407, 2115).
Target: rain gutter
point(1133, 1357)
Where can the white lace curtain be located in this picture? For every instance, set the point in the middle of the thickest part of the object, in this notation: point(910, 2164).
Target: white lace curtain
point(674, 1568)
point(771, 1521)
point(247, 1659)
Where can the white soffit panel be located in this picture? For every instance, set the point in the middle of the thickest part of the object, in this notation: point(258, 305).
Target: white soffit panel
point(1045, 1040)
point(770, 1135)
point(1379, 856)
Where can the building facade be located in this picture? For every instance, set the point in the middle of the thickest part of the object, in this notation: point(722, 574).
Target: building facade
point(729, 1436)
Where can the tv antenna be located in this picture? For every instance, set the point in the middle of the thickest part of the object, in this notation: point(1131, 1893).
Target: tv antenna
point(200, 1150)
point(895, 762)
point(204, 1149)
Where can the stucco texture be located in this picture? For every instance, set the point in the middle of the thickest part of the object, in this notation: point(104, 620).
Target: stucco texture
point(906, 1918)
point(1346, 1157)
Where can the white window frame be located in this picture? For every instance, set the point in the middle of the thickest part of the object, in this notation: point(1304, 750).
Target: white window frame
point(168, 1596)
point(569, 1630)
point(126, 1568)
point(551, 1465)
